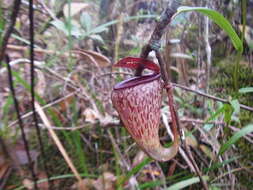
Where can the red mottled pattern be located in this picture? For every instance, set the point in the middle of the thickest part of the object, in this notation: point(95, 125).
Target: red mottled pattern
point(139, 109)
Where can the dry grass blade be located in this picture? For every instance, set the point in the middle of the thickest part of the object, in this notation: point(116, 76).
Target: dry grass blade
point(57, 141)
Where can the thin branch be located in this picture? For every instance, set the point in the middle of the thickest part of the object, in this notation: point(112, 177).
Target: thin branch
point(155, 40)
point(165, 19)
point(8, 31)
point(21, 125)
point(211, 97)
point(44, 107)
point(38, 133)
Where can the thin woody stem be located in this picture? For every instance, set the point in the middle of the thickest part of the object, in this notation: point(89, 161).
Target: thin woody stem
point(165, 19)
point(6, 34)
point(211, 96)
point(155, 40)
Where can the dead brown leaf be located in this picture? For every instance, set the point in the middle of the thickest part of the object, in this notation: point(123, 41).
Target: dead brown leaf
point(96, 58)
point(90, 115)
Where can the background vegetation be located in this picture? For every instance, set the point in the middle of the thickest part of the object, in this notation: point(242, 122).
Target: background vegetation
point(76, 45)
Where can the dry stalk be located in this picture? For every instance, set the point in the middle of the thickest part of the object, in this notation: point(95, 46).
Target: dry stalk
point(57, 142)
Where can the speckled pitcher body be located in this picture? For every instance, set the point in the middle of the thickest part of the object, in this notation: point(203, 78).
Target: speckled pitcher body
point(138, 102)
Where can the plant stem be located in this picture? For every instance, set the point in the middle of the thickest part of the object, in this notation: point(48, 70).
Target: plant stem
point(10, 27)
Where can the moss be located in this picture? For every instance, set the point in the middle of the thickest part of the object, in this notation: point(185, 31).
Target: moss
point(222, 85)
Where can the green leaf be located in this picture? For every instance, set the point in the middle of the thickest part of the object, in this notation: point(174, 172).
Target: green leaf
point(220, 164)
point(75, 31)
point(97, 38)
point(246, 90)
point(236, 105)
point(99, 29)
point(151, 184)
point(186, 183)
point(59, 25)
point(214, 188)
point(228, 111)
point(2, 20)
point(19, 38)
point(216, 114)
point(133, 171)
point(244, 131)
point(86, 21)
point(2, 23)
point(220, 20)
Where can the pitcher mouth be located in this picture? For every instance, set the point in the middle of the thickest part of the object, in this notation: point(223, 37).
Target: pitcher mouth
point(136, 81)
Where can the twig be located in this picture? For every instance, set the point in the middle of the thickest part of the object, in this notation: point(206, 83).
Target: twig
point(188, 151)
point(50, 13)
point(21, 60)
point(175, 118)
point(39, 65)
point(115, 73)
point(44, 107)
point(165, 19)
point(38, 50)
point(155, 40)
point(210, 96)
point(63, 128)
point(32, 91)
point(8, 31)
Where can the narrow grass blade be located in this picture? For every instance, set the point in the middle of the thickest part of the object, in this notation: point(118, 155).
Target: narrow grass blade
point(244, 131)
point(215, 114)
point(246, 90)
point(133, 171)
point(220, 20)
point(186, 183)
